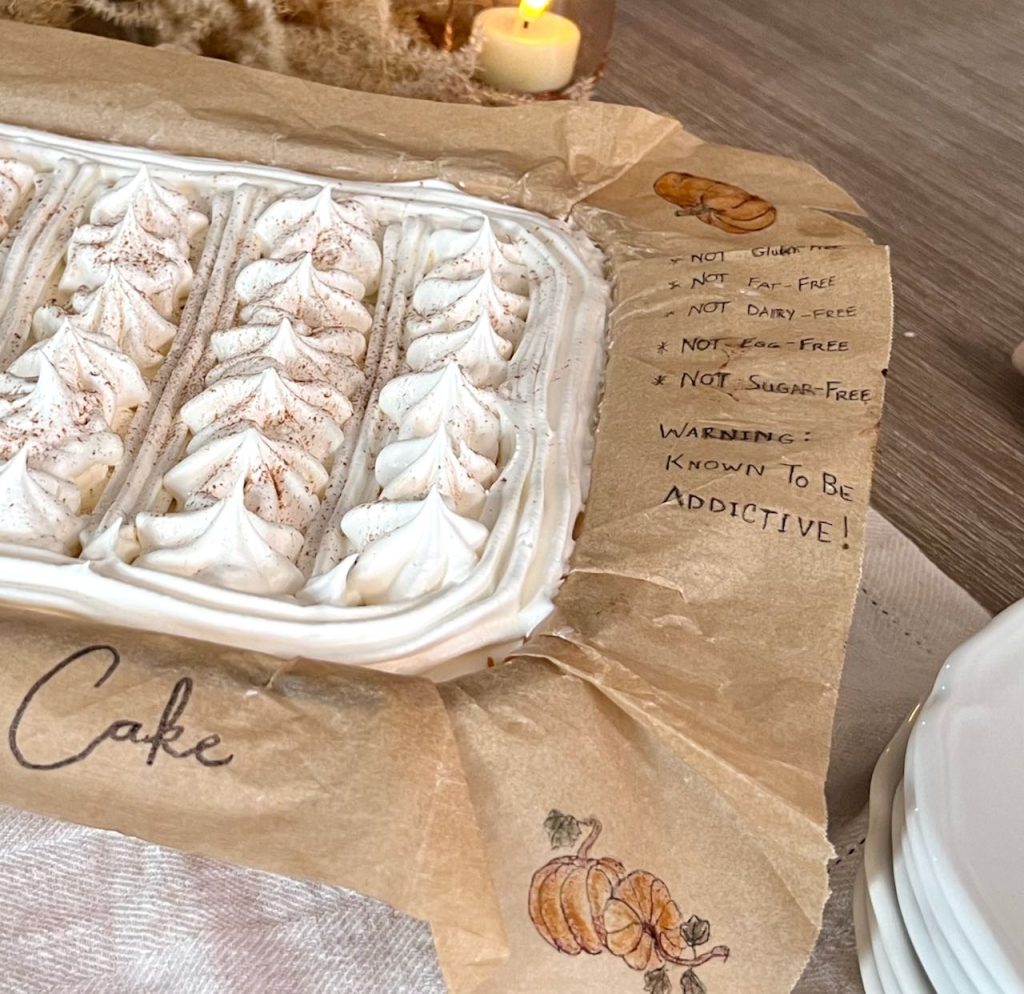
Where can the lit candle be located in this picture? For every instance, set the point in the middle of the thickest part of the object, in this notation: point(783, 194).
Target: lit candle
point(526, 49)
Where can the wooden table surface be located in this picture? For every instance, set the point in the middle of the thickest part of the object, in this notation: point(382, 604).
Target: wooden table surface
point(916, 107)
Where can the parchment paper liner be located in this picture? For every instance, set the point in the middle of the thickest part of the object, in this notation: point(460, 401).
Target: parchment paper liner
point(682, 693)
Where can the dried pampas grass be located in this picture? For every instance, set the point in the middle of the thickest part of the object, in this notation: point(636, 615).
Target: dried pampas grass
point(245, 31)
point(364, 45)
point(52, 13)
point(373, 45)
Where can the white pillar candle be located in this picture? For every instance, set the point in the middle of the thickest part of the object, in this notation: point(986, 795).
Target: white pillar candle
point(526, 51)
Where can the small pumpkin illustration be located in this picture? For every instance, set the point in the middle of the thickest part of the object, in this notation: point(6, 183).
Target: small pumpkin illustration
point(587, 904)
point(643, 922)
point(569, 894)
point(722, 205)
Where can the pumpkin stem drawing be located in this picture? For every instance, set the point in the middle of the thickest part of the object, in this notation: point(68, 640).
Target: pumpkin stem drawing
point(722, 205)
point(588, 843)
point(583, 904)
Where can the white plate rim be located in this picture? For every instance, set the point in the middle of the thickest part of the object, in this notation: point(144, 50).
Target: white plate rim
point(869, 975)
point(939, 940)
point(920, 938)
point(882, 900)
point(928, 887)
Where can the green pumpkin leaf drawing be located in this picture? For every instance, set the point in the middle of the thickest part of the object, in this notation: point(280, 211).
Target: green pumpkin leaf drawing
point(563, 830)
point(657, 981)
point(696, 931)
point(692, 984)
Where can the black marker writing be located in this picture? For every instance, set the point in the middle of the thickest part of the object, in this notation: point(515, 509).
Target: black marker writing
point(168, 729)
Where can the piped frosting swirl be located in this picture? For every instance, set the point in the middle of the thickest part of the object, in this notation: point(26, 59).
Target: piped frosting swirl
point(36, 507)
point(338, 235)
point(308, 414)
point(62, 429)
point(408, 549)
point(118, 309)
point(224, 544)
point(472, 306)
point(89, 362)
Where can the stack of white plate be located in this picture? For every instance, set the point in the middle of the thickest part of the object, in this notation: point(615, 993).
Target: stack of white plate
point(939, 905)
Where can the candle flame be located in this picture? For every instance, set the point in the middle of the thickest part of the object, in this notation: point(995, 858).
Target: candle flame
point(530, 10)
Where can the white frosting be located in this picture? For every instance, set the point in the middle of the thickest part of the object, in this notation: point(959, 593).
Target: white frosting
point(448, 429)
point(117, 541)
point(307, 414)
point(338, 235)
point(156, 266)
point(64, 401)
point(442, 305)
point(117, 309)
point(272, 289)
point(420, 403)
point(412, 468)
point(300, 357)
point(62, 429)
point(476, 348)
point(88, 362)
point(249, 338)
point(332, 587)
point(471, 306)
point(462, 253)
point(225, 544)
point(282, 482)
point(128, 270)
point(15, 183)
point(160, 210)
point(476, 451)
point(37, 508)
point(410, 548)
point(275, 404)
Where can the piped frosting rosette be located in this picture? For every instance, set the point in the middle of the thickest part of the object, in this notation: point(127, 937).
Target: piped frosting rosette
point(424, 534)
point(67, 400)
point(266, 427)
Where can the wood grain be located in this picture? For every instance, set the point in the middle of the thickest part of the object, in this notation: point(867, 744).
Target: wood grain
point(917, 109)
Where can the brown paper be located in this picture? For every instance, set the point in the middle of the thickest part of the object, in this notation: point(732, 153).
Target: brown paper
point(681, 694)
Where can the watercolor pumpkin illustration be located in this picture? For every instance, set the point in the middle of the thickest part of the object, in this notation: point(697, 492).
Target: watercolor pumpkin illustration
point(722, 205)
point(643, 922)
point(582, 903)
point(568, 898)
